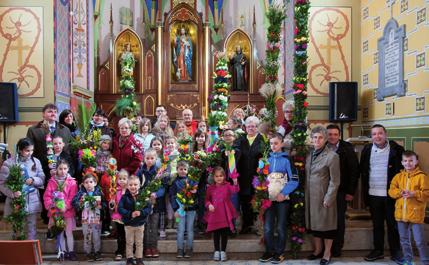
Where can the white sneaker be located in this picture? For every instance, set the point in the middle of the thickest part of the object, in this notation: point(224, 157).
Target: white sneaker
point(216, 256)
point(162, 234)
point(223, 256)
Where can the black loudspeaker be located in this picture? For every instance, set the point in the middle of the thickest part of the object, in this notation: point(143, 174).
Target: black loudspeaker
point(343, 101)
point(8, 103)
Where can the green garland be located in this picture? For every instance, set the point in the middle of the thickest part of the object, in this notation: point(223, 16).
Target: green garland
point(17, 218)
point(218, 99)
point(299, 133)
point(272, 90)
point(127, 105)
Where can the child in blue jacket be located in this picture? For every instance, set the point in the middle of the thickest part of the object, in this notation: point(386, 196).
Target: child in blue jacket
point(282, 182)
point(184, 213)
point(134, 220)
point(148, 171)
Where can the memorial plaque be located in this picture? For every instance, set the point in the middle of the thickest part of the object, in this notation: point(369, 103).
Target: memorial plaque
point(391, 61)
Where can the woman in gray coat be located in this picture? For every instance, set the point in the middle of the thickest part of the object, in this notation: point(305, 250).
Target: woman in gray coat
point(322, 181)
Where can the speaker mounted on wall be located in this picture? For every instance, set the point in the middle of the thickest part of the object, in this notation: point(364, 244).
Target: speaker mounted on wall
point(343, 101)
point(8, 103)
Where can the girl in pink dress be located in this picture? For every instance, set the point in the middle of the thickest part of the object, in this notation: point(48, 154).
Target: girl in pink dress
point(220, 212)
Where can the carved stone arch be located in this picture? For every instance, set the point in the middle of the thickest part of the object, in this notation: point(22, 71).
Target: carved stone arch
point(149, 78)
point(240, 37)
point(128, 35)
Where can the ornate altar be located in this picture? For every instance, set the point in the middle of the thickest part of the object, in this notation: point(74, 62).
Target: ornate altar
point(175, 62)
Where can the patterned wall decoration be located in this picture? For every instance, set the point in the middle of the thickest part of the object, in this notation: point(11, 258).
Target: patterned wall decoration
point(80, 44)
point(62, 47)
point(330, 47)
point(21, 49)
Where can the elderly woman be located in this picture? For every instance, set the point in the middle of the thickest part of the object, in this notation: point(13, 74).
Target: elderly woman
point(126, 149)
point(250, 150)
point(322, 181)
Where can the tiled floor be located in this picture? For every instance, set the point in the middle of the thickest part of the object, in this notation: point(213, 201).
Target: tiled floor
point(350, 261)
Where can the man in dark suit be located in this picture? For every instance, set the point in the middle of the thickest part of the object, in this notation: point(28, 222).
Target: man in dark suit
point(380, 161)
point(37, 133)
point(349, 174)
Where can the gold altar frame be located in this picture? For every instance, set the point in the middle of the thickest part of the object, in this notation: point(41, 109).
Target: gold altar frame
point(239, 37)
point(128, 35)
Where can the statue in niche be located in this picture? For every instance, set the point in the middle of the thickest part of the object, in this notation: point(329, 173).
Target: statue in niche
point(238, 62)
point(182, 56)
point(127, 61)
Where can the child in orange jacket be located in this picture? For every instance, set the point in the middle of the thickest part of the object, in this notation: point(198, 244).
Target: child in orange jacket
point(410, 189)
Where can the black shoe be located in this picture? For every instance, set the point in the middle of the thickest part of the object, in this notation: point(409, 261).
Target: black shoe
point(72, 256)
point(180, 253)
point(314, 257)
point(277, 259)
point(130, 261)
point(398, 259)
point(90, 257)
point(266, 257)
point(188, 253)
point(374, 255)
point(325, 261)
point(97, 256)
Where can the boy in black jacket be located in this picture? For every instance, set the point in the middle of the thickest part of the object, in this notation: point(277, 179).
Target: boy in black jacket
point(134, 220)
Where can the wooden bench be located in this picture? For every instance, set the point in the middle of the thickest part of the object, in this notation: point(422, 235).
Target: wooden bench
point(20, 252)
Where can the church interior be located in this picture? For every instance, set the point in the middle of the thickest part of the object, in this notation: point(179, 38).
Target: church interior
point(72, 53)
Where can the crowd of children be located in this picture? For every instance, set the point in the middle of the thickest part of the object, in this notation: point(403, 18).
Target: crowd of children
point(110, 200)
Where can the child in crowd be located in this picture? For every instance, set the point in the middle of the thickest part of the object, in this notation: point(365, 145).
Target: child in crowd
point(62, 186)
point(180, 131)
point(226, 145)
point(221, 212)
point(103, 153)
point(162, 127)
point(157, 144)
point(282, 182)
point(134, 220)
point(144, 136)
point(169, 176)
point(102, 157)
point(90, 203)
point(202, 126)
point(122, 180)
point(184, 213)
point(33, 181)
point(60, 154)
point(200, 144)
point(410, 189)
point(148, 172)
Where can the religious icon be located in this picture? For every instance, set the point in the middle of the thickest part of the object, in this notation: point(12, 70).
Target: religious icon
point(127, 61)
point(239, 62)
point(182, 56)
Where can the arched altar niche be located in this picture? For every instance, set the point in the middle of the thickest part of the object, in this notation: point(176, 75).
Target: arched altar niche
point(240, 38)
point(180, 93)
point(124, 37)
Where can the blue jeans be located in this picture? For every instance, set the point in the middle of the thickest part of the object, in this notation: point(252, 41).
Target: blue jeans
point(279, 211)
point(419, 236)
point(186, 222)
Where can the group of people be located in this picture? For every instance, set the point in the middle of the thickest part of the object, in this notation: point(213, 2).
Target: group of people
point(222, 201)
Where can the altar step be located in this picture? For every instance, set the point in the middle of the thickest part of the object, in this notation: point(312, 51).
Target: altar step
point(356, 239)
